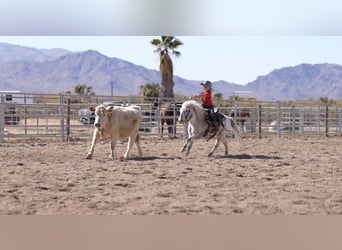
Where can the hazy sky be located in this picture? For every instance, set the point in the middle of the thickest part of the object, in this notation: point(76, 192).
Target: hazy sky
point(238, 59)
point(235, 41)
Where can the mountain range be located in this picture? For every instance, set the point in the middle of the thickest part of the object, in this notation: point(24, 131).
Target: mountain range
point(56, 70)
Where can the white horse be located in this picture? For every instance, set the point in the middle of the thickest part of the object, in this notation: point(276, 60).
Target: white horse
point(194, 114)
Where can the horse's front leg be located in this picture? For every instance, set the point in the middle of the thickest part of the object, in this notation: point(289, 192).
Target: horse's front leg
point(188, 148)
point(187, 141)
point(187, 145)
point(184, 146)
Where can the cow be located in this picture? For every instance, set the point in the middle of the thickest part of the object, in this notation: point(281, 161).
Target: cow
point(116, 123)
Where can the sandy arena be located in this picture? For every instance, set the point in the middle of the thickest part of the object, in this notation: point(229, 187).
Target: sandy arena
point(260, 176)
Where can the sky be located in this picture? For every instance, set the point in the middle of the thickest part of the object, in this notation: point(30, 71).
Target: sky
point(237, 59)
point(235, 41)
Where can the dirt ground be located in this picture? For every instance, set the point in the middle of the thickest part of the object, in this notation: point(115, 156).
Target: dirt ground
point(260, 176)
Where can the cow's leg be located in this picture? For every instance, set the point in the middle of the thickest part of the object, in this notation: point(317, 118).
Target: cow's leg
point(137, 142)
point(129, 147)
point(112, 147)
point(93, 142)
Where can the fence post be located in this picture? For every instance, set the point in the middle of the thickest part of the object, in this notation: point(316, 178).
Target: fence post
point(61, 115)
point(68, 119)
point(2, 117)
point(319, 121)
point(293, 120)
point(326, 120)
point(25, 114)
point(340, 120)
point(278, 120)
point(174, 123)
point(301, 122)
point(259, 120)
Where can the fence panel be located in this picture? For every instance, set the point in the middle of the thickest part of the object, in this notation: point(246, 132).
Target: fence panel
point(66, 117)
point(274, 118)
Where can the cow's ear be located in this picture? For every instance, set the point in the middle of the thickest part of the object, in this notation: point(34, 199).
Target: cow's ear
point(92, 109)
point(110, 108)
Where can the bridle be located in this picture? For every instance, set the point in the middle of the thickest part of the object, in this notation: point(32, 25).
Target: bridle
point(187, 115)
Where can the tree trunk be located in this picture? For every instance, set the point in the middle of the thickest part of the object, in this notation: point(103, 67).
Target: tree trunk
point(166, 75)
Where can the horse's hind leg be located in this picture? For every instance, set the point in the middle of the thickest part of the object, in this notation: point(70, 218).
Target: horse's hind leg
point(170, 130)
point(225, 143)
point(217, 142)
point(162, 129)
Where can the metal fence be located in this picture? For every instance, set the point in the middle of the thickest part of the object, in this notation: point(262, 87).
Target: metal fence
point(66, 117)
point(287, 120)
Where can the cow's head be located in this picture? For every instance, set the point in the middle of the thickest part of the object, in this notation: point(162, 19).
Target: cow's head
point(102, 115)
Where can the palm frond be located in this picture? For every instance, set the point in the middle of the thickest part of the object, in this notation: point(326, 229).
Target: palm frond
point(156, 42)
point(176, 53)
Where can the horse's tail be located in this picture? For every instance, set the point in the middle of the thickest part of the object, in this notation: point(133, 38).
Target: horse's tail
point(233, 127)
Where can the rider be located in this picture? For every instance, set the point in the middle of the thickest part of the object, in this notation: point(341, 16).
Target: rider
point(207, 102)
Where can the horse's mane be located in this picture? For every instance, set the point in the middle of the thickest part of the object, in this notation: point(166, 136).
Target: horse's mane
point(195, 106)
point(192, 103)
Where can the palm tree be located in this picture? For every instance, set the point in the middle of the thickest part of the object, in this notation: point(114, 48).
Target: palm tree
point(166, 67)
point(79, 89)
point(150, 90)
point(82, 90)
point(218, 97)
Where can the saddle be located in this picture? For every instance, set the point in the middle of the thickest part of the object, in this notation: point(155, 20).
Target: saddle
point(213, 125)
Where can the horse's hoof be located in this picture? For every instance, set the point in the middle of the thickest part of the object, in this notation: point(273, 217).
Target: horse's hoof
point(123, 158)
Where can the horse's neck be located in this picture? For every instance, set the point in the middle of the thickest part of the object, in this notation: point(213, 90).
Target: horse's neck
point(198, 118)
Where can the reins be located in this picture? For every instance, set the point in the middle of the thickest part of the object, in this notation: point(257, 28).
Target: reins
point(186, 118)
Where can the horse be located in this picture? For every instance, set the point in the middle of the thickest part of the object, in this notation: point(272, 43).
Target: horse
point(240, 116)
point(195, 115)
point(168, 117)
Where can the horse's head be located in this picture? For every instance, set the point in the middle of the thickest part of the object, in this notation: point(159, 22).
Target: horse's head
point(187, 110)
point(184, 114)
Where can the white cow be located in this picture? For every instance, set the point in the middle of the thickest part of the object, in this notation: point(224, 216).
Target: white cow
point(116, 123)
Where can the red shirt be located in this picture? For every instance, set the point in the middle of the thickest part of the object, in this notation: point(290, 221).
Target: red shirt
point(206, 98)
